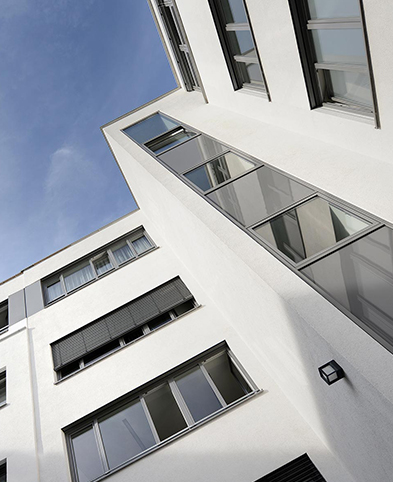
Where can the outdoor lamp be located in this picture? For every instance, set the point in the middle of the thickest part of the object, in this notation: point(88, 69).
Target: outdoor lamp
point(331, 372)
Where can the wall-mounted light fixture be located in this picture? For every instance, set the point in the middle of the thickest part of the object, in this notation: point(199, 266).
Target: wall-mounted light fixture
point(331, 372)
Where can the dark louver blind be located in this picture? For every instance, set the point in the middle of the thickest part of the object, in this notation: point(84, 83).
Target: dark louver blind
point(118, 322)
point(299, 470)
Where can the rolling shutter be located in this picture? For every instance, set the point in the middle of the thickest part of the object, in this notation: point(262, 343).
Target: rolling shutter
point(115, 324)
point(298, 470)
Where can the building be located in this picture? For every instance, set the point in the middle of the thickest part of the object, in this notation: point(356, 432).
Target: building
point(260, 252)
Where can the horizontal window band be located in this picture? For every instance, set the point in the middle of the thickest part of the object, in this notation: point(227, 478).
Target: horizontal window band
point(237, 27)
point(245, 59)
point(342, 67)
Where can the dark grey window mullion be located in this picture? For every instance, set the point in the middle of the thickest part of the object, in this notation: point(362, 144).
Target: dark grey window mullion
point(149, 420)
point(95, 274)
point(212, 385)
point(63, 286)
point(181, 402)
point(100, 445)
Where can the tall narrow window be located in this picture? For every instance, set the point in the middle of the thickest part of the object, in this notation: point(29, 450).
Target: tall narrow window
point(3, 317)
point(238, 44)
point(3, 471)
point(333, 46)
point(3, 388)
point(177, 37)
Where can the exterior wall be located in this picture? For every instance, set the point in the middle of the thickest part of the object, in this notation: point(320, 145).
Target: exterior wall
point(288, 326)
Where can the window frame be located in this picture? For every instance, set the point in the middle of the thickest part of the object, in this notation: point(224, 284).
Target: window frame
point(4, 307)
point(3, 465)
point(3, 378)
point(232, 60)
point(138, 394)
point(59, 276)
point(314, 71)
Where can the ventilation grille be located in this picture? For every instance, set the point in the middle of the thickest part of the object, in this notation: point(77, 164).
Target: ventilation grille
point(118, 322)
point(299, 470)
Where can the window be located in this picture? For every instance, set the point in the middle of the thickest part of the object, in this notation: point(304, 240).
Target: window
point(3, 471)
point(158, 133)
point(299, 470)
point(3, 317)
point(155, 413)
point(121, 327)
point(3, 389)
point(179, 44)
point(91, 268)
point(334, 52)
point(238, 44)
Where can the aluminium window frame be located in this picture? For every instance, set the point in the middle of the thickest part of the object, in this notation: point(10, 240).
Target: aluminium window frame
point(92, 420)
point(314, 71)
point(231, 60)
point(378, 223)
point(58, 276)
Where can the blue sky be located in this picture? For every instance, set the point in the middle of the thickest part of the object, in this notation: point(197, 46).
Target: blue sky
point(68, 67)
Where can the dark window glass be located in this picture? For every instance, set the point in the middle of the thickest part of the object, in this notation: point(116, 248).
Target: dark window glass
point(3, 316)
point(227, 378)
point(218, 171)
point(165, 412)
point(88, 462)
point(125, 433)
point(103, 350)
point(3, 472)
point(159, 321)
point(183, 308)
point(192, 153)
point(171, 140)
point(68, 369)
point(133, 335)
point(3, 387)
point(234, 11)
point(198, 394)
point(257, 195)
point(310, 228)
point(149, 128)
point(360, 278)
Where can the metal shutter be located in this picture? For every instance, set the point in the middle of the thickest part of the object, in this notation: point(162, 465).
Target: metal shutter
point(115, 324)
point(299, 470)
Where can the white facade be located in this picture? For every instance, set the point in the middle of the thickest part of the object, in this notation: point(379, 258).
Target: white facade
point(278, 327)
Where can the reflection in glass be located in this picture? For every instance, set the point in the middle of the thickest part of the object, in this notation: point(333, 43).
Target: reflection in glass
point(3, 387)
point(251, 74)
point(242, 43)
point(309, 229)
point(198, 394)
point(353, 87)
point(52, 292)
point(122, 253)
point(360, 278)
point(234, 11)
point(165, 412)
point(102, 265)
point(149, 128)
point(170, 140)
point(333, 8)
point(218, 171)
point(125, 433)
point(257, 195)
point(194, 152)
point(227, 378)
point(88, 461)
point(79, 277)
point(141, 244)
point(340, 46)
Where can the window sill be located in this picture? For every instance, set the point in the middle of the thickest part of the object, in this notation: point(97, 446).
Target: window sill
point(116, 350)
point(180, 434)
point(345, 114)
point(3, 405)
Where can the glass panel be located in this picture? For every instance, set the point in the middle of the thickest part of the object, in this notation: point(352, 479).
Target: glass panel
point(165, 412)
point(125, 433)
point(53, 291)
point(170, 141)
point(67, 370)
point(79, 277)
point(198, 394)
point(3, 316)
point(351, 86)
point(309, 229)
point(100, 352)
point(150, 128)
point(251, 74)
point(340, 46)
point(184, 307)
point(3, 387)
point(160, 321)
point(133, 335)
point(87, 458)
point(102, 265)
point(360, 278)
point(218, 171)
point(334, 8)
point(258, 195)
point(227, 378)
point(141, 244)
point(234, 11)
point(241, 43)
point(3, 472)
point(122, 253)
point(192, 153)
